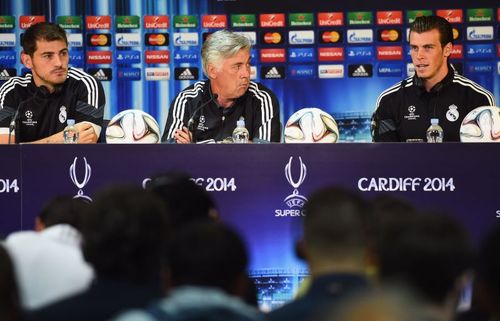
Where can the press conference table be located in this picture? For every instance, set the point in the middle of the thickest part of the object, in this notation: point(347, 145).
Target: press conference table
point(260, 188)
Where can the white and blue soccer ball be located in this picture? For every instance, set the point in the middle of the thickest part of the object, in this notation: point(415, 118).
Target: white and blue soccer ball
point(311, 125)
point(481, 124)
point(133, 126)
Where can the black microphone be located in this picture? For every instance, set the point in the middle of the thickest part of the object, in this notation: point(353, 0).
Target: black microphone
point(12, 126)
point(191, 125)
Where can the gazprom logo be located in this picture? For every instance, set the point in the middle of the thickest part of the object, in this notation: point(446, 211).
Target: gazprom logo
point(7, 40)
point(304, 37)
point(360, 36)
point(128, 39)
point(186, 39)
point(128, 56)
point(301, 55)
point(251, 35)
point(480, 33)
point(7, 58)
point(75, 39)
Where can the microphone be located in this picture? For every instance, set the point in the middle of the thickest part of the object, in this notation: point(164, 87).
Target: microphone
point(191, 125)
point(12, 126)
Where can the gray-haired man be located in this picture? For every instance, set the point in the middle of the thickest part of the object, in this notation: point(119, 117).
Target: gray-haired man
point(214, 105)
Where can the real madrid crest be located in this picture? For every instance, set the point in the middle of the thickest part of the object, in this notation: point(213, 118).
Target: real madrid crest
point(452, 114)
point(62, 114)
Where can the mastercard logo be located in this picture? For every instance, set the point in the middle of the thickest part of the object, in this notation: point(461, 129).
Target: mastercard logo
point(330, 36)
point(389, 35)
point(99, 40)
point(157, 40)
point(456, 34)
point(272, 37)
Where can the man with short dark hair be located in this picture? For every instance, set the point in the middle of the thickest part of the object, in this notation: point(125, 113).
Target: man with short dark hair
point(34, 108)
point(404, 111)
point(336, 247)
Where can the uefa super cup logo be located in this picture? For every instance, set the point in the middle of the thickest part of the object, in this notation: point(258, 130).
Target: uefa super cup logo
point(295, 199)
point(86, 178)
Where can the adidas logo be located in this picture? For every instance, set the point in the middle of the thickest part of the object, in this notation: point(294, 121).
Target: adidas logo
point(6, 74)
point(186, 73)
point(99, 74)
point(360, 71)
point(273, 73)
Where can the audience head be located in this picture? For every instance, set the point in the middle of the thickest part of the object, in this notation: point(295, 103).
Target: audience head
point(206, 253)
point(335, 226)
point(487, 277)
point(184, 200)
point(10, 307)
point(61, 210)
point(427, 254)
point(125, 234)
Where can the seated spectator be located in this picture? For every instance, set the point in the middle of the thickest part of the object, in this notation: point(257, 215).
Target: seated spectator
point(184, 200)
point(336, 248)
point(48, 262)
point(428, 255)
point(124, 235)
point(10, 308)
point(207, 263)
point(487, 277)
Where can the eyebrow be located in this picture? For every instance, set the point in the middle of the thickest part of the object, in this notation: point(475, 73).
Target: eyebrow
point(53, 52)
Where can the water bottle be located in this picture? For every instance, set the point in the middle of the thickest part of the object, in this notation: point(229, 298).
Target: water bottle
point(70, 133)
point(435, 132)
point(240, 133)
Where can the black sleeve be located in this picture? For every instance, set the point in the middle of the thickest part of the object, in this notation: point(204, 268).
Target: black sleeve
point(90, 101)
point(177, 118)
point(267, 124)
point(384, 122)
point(8, 107)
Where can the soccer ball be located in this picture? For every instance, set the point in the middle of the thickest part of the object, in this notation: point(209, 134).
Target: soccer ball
point(311, 125)
point(132, 126)
point(481, 124)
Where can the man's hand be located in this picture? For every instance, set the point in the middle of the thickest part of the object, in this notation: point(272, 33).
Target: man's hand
point(87, 135)
point(183, 136)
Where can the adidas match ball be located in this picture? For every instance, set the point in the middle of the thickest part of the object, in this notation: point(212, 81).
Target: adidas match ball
point(481, 124)
point(132, 127)
point(311, 125)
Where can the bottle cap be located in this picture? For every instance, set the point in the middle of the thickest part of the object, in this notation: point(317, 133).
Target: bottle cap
point(434, 121)
point(70, 122)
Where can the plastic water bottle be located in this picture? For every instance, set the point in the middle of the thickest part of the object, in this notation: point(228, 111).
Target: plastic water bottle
point(70, 132)
point(240, 133)
point(435, 132)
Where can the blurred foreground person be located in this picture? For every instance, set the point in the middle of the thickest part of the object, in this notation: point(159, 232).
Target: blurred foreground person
point(207, 263)
point(48, 261)
point(336, 248)
point(10, 308)
point(428, 255)
point(125, 234)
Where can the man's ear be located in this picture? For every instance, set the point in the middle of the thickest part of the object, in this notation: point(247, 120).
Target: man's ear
point(26, 60)
point(447, 49)
point(211, 71)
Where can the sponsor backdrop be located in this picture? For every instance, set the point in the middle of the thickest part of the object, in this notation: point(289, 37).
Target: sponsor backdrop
point(311, 53)
point(264, 200)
